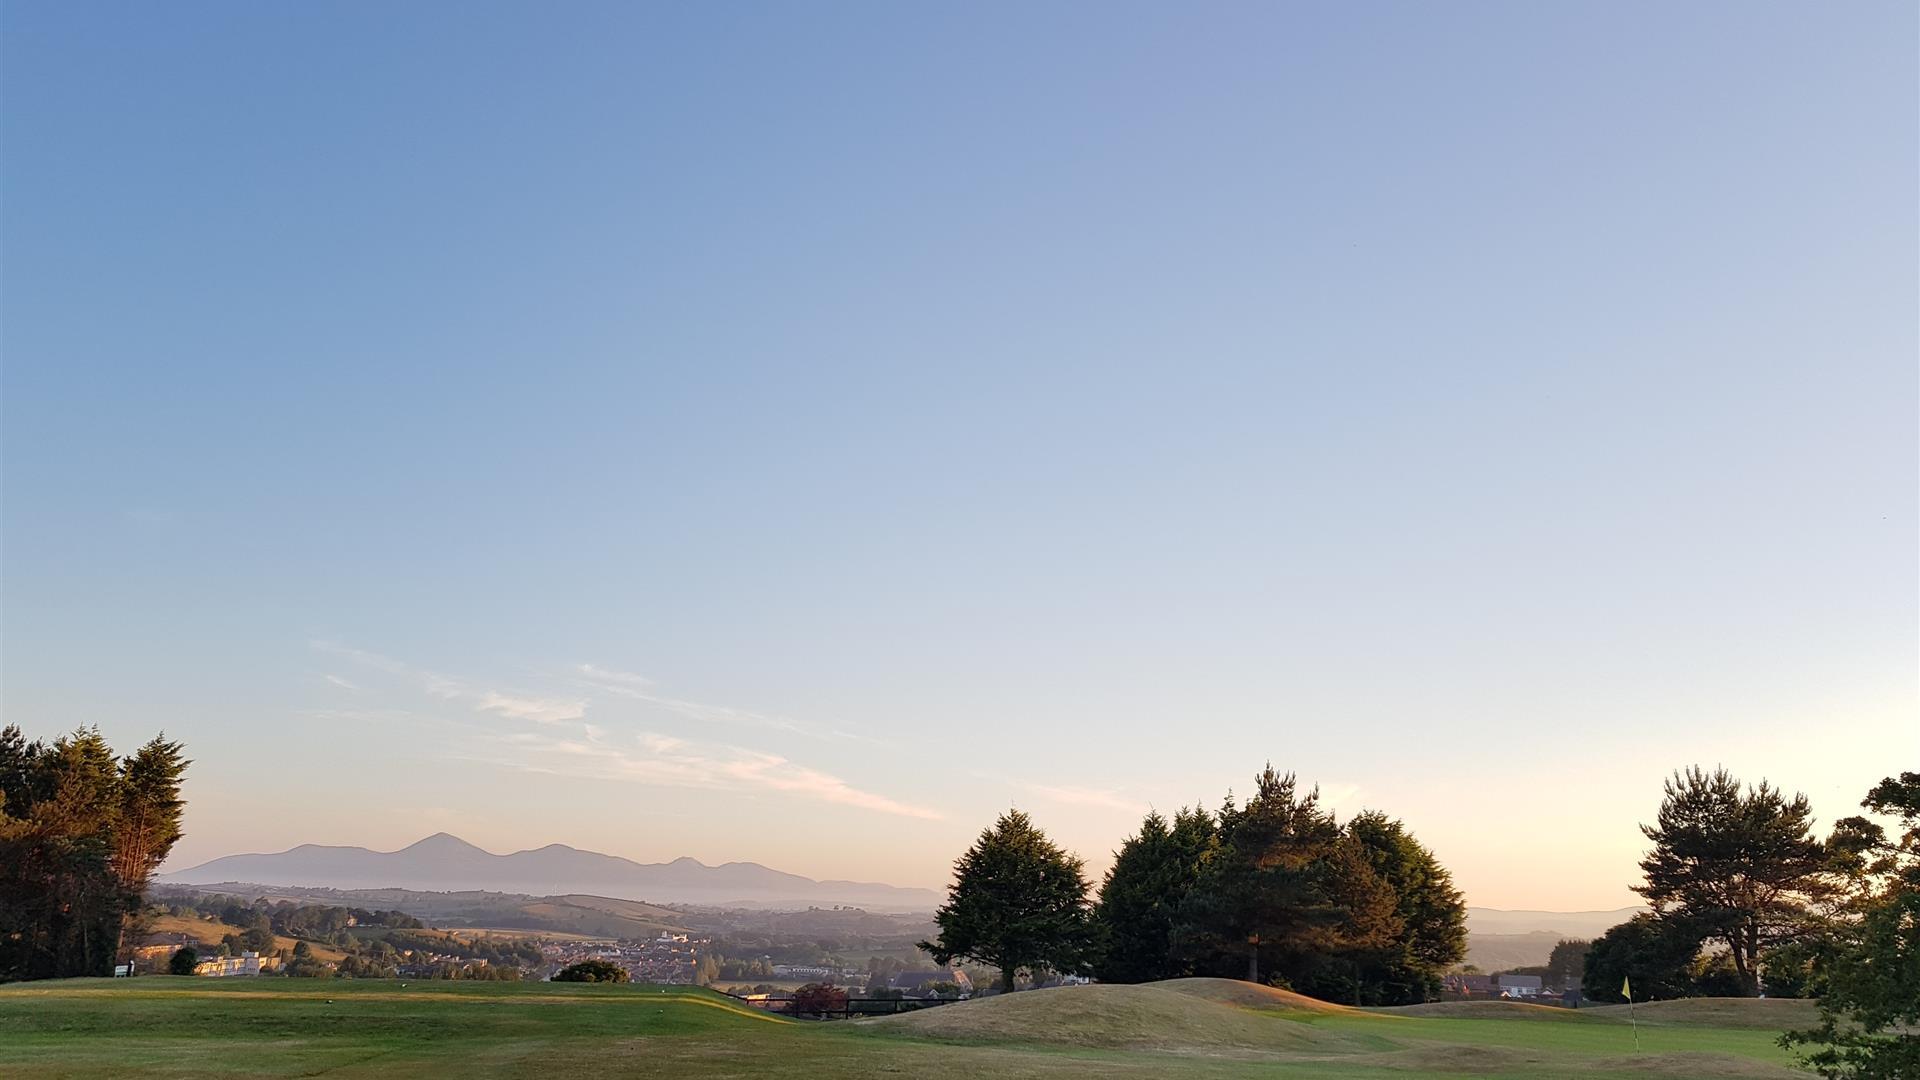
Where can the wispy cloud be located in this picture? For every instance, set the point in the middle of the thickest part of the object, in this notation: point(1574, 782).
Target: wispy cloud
point(661, 759)
point(364, 658)
point(341, 683)
point(539, 710)
point(589, 750)
point(640, 688)
point(359, 716)
point(620, 682)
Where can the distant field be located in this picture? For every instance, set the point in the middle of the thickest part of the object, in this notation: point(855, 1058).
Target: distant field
point(208, 933)
point(471, 933)
point(179, 1027)
point(592, 916)
point(601, 916)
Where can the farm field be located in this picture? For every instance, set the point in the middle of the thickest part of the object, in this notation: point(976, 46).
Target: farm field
point(176, 1027)
point(207, 933)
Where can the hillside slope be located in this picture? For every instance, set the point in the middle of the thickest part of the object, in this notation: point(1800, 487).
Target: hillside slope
point(1220, 1020)
point(207, 933)
point(110, 1029)
point(1150, 1017)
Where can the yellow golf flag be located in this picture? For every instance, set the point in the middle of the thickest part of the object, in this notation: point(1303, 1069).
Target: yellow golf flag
point(1626, 988)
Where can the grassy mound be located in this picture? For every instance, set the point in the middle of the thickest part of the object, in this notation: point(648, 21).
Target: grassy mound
point(1765, 1014)
point(1492, 1010)
point(1149, 1017)
point(1248, 995)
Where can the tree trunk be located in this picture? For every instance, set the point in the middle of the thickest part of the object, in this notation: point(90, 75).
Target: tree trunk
point(1006, 980)
point(1253, 962)
point(1742, 960)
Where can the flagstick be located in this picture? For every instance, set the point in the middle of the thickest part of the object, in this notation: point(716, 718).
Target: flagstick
point(1626, 989)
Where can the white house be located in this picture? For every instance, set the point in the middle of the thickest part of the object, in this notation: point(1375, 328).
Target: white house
point(1519, 986)
point(247, 963)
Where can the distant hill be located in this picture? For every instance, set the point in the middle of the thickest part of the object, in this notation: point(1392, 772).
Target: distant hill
point(575, 914)
point(1499, 939)
point(206, 934)
point(445, 863)
point(1572, 924)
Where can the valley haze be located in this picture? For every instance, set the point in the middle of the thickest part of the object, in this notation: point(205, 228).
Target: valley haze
point(445, 863)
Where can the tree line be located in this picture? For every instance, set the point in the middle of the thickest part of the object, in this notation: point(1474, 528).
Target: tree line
point(1275, 890)
point(315, 922)
point(82, 831)
point(1745, 898)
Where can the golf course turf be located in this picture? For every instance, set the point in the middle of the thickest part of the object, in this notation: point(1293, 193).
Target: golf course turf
point(179, 1027)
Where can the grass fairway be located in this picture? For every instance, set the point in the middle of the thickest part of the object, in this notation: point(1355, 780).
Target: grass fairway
point(158, 1026)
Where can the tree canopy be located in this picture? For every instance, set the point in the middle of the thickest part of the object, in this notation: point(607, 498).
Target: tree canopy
point(81, 833)
point(1740, 866)
point(1401, 957)
point(593, 971)
point(1567, 964)
point(1870, 1009)
point(1140, 899)
point(1267, 891)
point(1278, 890)
point(1656, 953)
point(1017, 901)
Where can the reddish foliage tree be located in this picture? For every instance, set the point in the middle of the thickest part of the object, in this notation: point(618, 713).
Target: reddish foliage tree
point(818, 998)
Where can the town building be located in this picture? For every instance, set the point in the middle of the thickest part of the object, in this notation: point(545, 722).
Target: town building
point(1519, 986)
point(247, 963)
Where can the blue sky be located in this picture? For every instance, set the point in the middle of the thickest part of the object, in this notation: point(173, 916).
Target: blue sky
point(795, 433)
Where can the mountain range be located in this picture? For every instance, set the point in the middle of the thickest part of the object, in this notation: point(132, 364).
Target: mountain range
point(446, 863)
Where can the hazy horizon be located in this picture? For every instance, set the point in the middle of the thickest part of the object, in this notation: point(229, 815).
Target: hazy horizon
point(797, 434)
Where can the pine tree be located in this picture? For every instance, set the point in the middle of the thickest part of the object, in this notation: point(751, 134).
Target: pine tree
point(148, 820)
point(1742, 867)
point(80, 835)
point(1017, 901)
point(1431, 931)
point(1267, 891)
point(1152, 875)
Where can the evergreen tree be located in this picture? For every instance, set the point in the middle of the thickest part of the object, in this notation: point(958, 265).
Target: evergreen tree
point(1741, 866)
point(1429, 930)
point(1656, 953)
point(1151, 876)
point(1017, 901)
point(1360, 960)
point(80, 835)
point(147, 822)
point(1567, 964)
point(1266, 894)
